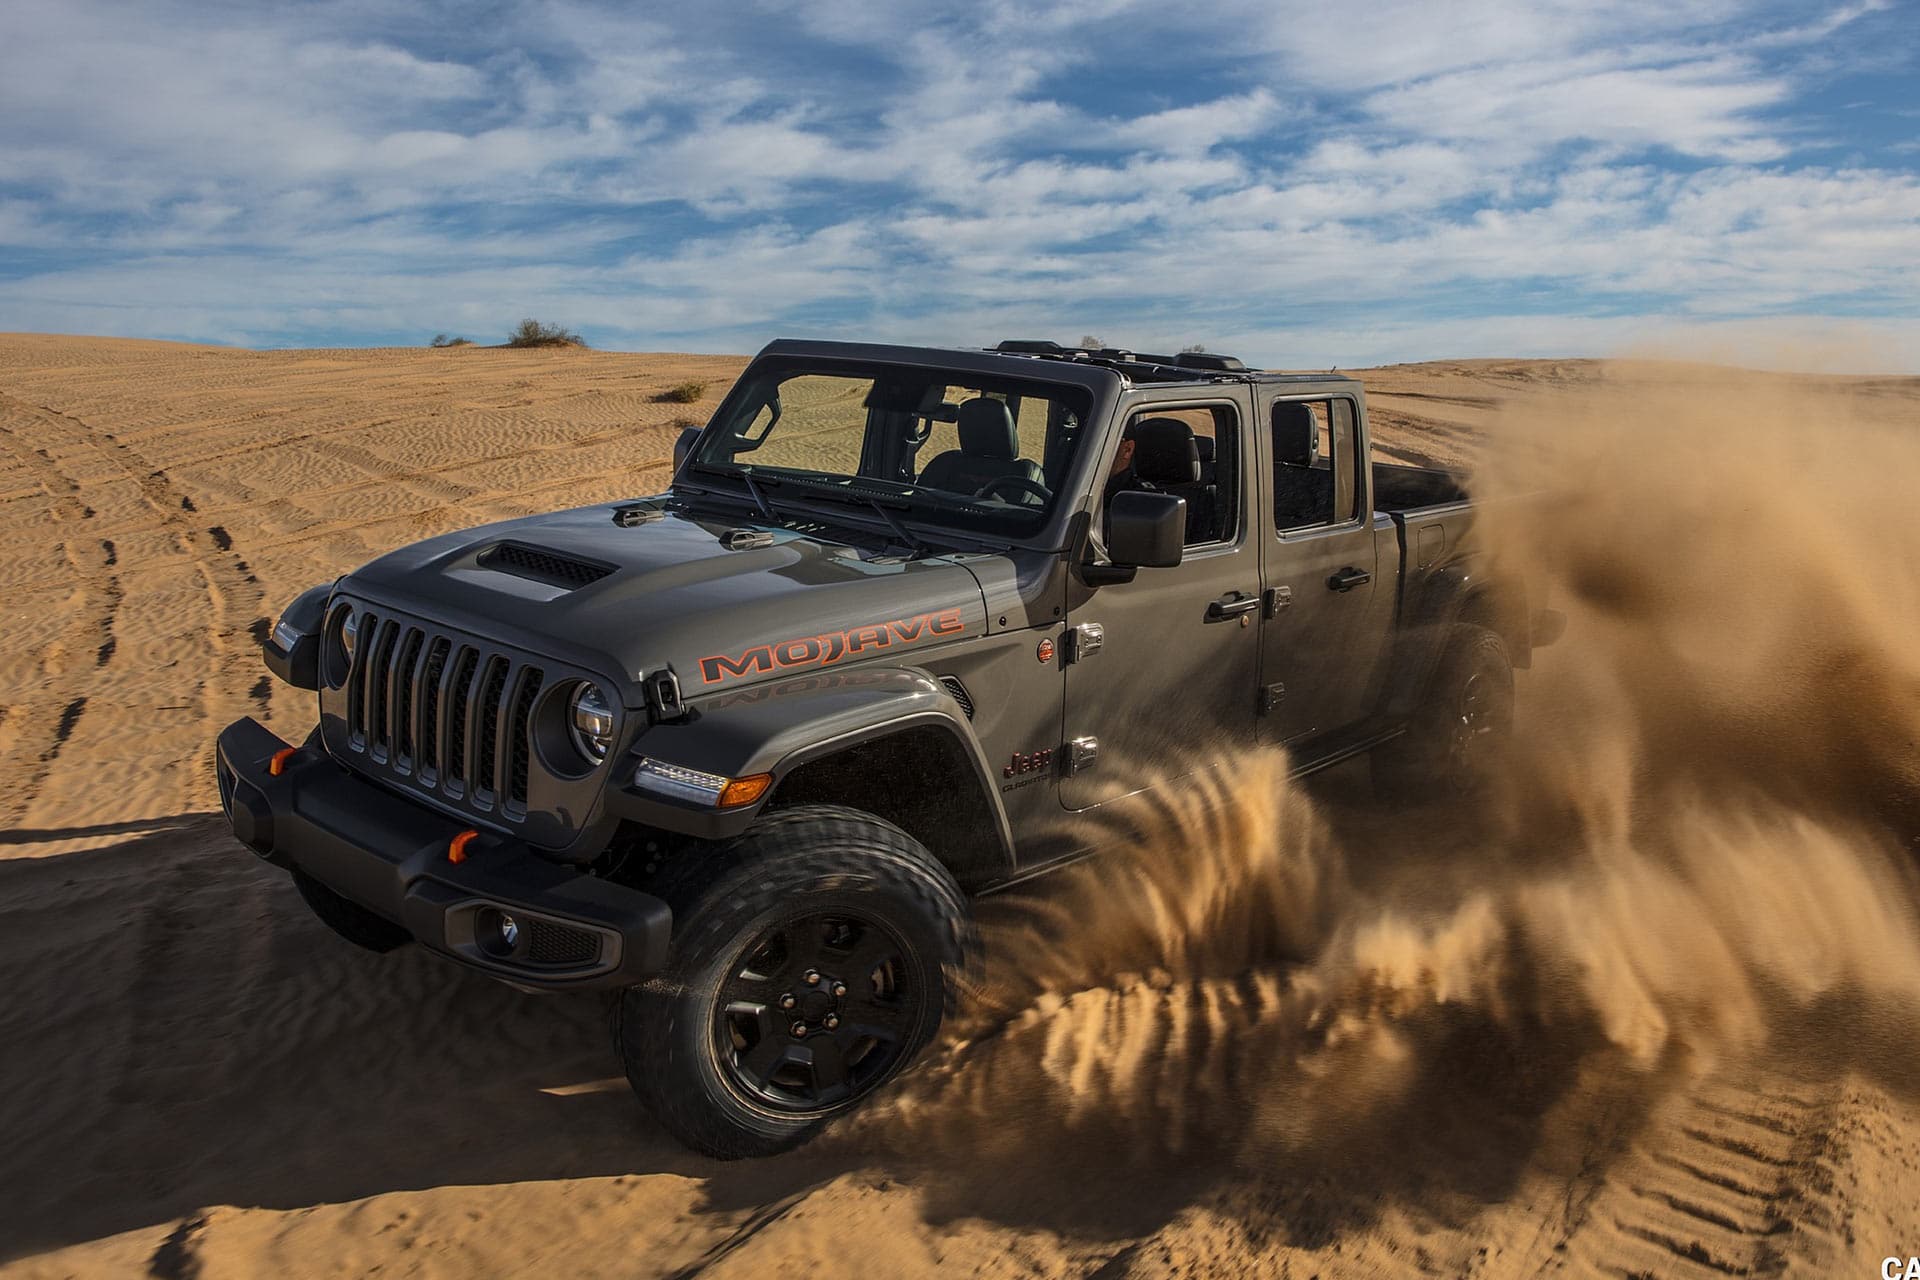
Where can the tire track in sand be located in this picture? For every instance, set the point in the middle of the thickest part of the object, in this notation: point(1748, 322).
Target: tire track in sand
point(34, 729)
point(233, 593)
point(1730, 1180)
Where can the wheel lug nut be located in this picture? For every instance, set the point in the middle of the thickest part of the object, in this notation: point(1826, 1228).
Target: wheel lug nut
point(832, 1020)
point(799, 1030)
point(787, 1001)
point(839, 989)
point(813, 977)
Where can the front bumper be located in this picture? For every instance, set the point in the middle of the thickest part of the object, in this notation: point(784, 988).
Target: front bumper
point(571, 929)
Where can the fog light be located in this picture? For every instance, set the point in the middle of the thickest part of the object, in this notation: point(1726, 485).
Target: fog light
point(497, 932)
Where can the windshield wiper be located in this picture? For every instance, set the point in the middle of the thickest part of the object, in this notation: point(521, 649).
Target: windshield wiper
point(920, 548)
point(754, 492)
point(759, 498)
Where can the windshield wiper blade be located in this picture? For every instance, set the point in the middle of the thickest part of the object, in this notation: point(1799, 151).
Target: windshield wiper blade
point(759, 498)
point(901, 531)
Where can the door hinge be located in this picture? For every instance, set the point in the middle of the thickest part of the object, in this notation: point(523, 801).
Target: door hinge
point(1082, 755)
point(1084, 639)
point(1271, 697)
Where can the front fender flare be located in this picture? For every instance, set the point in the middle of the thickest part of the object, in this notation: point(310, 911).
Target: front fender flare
point(777, 727)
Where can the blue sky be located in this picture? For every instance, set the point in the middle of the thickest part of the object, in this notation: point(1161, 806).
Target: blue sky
point(1302, 185)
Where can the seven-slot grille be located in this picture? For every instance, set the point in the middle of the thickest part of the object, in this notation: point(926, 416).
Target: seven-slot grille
point(453, 716)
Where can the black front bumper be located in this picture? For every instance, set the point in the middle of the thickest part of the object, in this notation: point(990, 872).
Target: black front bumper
point(570, 929)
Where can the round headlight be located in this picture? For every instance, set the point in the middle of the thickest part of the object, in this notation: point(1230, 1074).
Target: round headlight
point(591, 718)
point(337, 645)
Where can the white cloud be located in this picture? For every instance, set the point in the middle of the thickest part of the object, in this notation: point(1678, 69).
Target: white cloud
point(709, 178)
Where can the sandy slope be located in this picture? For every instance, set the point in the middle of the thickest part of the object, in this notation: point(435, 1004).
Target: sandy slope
point(198, 1080)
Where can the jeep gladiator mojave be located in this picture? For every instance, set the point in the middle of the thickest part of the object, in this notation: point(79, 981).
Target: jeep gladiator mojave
point(743, 750)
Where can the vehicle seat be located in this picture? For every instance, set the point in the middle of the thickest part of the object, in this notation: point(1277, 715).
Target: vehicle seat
point(989, 450)
point(1302, 496)
point(1208, 467)
point(1167, 454)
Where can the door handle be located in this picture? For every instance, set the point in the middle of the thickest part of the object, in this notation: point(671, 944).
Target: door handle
point(1348, 579)
point(1234, 606)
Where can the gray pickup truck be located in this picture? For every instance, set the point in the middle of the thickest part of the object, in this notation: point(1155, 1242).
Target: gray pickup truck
point(741, 752)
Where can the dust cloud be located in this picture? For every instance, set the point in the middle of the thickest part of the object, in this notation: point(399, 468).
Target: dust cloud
point(1702, 841)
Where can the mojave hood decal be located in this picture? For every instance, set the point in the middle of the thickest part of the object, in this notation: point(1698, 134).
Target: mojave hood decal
point(830, 647)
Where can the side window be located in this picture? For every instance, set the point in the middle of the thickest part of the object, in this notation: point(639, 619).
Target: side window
point(1346, 462)
point(1160, 460)
point(1303, 479)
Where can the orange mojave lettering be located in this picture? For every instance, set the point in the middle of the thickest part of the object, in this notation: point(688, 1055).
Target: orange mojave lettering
point(831, 647)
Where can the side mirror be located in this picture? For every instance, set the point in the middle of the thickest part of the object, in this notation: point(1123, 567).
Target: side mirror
point(1296, 435)
point(1146, 530)
point(684, 446)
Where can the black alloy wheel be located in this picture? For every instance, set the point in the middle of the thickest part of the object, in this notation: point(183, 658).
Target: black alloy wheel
point(818, 1010)
point(813, 957)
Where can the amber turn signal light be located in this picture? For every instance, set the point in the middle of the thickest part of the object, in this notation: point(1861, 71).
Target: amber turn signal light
point(457, 847)
point(744, 790)
point(278, 765)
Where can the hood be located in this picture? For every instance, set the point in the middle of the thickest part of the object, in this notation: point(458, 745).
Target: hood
point(626, 590)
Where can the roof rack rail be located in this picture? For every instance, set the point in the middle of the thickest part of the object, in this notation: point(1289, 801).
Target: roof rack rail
point(1208, 360)
point(1158, 368)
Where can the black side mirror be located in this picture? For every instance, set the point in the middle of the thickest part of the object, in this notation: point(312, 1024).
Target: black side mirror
point(1296, 435)
point(684, 446)
point(1146, 530)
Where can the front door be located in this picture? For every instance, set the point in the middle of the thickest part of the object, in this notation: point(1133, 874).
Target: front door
point(1172, 687)
point(1319, 640)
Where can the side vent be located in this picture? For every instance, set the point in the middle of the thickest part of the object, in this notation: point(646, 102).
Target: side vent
point(960, 694)
point(538, 565)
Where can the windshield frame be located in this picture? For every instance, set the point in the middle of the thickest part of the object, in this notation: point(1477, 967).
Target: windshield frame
point(1100, 390)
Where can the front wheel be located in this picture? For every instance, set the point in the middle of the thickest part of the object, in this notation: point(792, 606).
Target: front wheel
point(1457, 739)
point(811, 962)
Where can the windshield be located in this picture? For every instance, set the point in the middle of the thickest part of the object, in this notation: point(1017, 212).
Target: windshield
point(982, 455)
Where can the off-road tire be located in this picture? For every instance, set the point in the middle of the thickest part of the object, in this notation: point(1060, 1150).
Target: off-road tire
point(1427, 763)
point(790, 868)
point(349, 919)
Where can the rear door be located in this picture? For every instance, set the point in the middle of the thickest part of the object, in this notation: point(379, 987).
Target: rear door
point(1172, 685)
point(1321, 636)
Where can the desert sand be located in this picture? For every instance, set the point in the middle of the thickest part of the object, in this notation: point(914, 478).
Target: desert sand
point(1368, 1046)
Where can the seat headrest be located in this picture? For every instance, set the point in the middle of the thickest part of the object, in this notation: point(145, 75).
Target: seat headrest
point(1164, 452)
point(1205, 445)
point(986, 429)
point(1296, 434)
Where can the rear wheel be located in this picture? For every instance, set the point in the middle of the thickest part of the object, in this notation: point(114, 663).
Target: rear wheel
point(811, 962)
point(1457, 740)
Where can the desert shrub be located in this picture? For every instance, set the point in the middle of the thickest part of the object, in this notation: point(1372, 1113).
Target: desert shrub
point(531, 333)
point(442, 340)
point(685, 393)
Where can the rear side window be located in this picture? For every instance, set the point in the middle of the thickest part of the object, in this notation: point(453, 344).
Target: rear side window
point(1321, 492)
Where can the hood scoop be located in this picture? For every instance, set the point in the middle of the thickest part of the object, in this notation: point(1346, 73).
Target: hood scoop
point(537, 564)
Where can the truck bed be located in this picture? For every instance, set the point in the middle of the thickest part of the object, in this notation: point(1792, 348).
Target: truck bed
point(1400, 489)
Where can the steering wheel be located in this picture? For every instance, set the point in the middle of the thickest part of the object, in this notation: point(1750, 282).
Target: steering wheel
point(1032, 487)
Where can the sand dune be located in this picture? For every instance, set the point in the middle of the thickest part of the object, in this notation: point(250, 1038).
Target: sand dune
point(199, 1080)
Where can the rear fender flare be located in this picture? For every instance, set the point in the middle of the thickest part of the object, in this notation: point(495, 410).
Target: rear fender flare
point(1463, 591)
